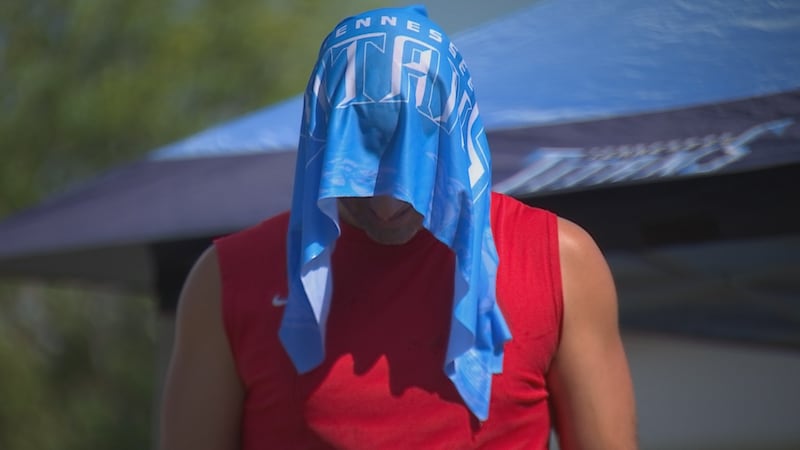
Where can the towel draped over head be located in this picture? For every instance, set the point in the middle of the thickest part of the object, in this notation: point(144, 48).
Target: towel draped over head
point(390, 110)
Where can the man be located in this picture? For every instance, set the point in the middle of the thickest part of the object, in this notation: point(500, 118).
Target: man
point(400, 303)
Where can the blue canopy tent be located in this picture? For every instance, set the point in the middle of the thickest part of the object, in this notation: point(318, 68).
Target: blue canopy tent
point(669, 129)
point(666, 129)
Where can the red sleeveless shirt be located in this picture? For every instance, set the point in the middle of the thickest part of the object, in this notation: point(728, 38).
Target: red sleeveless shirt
point(382, 383)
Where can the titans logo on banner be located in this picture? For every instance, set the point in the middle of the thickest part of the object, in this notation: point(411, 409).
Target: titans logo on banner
point(549, 169)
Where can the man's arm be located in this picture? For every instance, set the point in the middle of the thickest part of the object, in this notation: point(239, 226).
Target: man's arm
point(589, 379)
point(203, 394)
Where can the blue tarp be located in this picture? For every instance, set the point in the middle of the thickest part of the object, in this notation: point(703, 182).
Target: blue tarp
point(568, 61)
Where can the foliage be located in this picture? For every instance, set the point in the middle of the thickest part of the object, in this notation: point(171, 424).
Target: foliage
point(77, 368)
point(87, 84)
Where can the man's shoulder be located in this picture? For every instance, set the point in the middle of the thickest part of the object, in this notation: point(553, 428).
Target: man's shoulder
point(273, 228)
point(258, 244)
point(277, 224)
point(505, 208)
point(576, 245)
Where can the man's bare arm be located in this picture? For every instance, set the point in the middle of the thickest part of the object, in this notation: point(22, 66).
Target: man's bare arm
point(203, 394)
point(591, 387)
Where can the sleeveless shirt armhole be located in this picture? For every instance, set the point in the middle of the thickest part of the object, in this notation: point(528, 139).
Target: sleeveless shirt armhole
point(228, 308)
point(555, 273)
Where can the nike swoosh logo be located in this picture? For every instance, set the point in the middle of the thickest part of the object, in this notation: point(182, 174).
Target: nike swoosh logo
point(278, 302)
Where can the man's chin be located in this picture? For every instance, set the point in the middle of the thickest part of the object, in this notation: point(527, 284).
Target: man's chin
point(386, 237)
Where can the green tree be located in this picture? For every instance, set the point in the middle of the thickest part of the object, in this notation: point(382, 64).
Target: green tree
point(76, 367)
point(87, 84)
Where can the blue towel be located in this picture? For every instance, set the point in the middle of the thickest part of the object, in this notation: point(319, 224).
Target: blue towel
point(390, 110)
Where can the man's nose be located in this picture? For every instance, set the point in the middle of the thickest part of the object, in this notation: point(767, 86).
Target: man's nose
point(385, 207)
